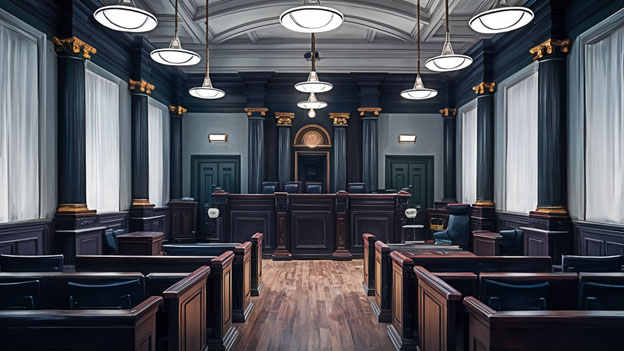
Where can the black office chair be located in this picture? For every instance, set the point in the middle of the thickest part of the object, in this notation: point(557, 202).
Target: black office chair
point(292, 187)
point(269, 187)
point(119, 295)
point(458, 230)
point(356, 188)
point(15, 263)
point(314, 188)
point(571, 263)
point(511, 243)
point(598, 296)
point(514, 297)
point(24, 295)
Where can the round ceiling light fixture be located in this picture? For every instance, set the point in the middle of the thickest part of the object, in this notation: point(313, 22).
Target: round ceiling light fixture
point(448, 61)
point(175, 55)
point(125, 17)
point(313, 84)
point(312, 103)
point(502, 18)
point(207, 91)
point(418, 92)
point(311, 18)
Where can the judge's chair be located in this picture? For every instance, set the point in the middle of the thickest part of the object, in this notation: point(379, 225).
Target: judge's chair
point(458, 229)
point(314, 188)
point(269, 187)
point(293, 187)
point(356, 188)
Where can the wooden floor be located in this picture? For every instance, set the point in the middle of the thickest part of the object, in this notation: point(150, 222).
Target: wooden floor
point(312, 305)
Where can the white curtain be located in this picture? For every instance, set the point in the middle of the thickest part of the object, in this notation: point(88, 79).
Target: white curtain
point(102, 143)
point(158, 141)
point(469, 155)
point(604, 128)
point(19, 126)
point(521, 158)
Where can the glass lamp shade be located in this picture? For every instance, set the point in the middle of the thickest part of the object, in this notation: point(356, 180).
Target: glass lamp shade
point(312, 114)
point(313, 85)
point(501, 20)
point(419, 92)
point(448, 60)
point(206, 91)
point(312, 103)
point(174, 55)
point(311, 18)
point(125, 18)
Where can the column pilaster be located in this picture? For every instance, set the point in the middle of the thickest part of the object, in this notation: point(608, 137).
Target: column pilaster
point(449, 117)
point(339, 166)
point(175, 169)
point(284, 157)
point(370, 118)
point(256, 148)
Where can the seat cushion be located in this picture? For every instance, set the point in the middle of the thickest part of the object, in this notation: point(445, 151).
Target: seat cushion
point(115, 295)
point(24, 295)
point(514, 297)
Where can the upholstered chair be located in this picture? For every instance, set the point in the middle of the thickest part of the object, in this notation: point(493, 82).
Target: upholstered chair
point(570, 263)
point(105, 296)
point(458, 230)
point(24, 295)
point(269, 187)
point(314, 188)
point(514, 297)
point(598, 296)
point(292, 187)
point(356, 188)
point(14, 263)
point(511, 243)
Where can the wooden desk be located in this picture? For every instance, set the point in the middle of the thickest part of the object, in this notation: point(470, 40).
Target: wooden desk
point(140, 243)
point(486, 243)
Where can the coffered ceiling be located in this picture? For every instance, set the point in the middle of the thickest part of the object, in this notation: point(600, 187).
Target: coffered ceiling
point(377, 35)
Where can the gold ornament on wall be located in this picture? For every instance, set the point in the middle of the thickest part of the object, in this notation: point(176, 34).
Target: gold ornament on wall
point(548, 48)
point(179, 110)
point(447, 112)
point(141, 86)
point(373, 110)
point(340, 118)
point(284, 118)
point(73, 45)
point(483, 87)
point(261, 110)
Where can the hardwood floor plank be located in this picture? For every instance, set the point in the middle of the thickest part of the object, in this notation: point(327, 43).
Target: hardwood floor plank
point(312, 305)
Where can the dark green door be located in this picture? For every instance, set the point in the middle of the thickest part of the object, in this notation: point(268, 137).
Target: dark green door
point(414, 172)
point(208, 173)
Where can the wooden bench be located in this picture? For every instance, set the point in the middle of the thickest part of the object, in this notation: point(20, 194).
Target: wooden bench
point(241, 270)
point(181, 320)
point(404, 303)
point(54, 325)
point(221, 334)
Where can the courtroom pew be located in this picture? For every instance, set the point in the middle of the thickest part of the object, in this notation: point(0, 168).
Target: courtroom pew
point(56, 327)
point(180, 315)
point(404, 285)
point(221, 334)
point(241, 270)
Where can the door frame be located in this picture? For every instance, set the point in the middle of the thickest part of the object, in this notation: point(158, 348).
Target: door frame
point(326, 153)
point(197, 159)
point(430, 160)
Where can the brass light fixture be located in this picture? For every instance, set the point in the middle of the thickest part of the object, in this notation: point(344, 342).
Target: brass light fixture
point(418, 92)
point(174, 55)
point(207, 91)
point(448, 61)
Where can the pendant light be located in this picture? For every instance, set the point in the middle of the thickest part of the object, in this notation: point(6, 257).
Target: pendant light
point(207, 91)
point(313, 84)
point(418, 92)
point(502, 18)
point(174, 55)
point(311, 104)
point(311, 18)
point(125, 17)
point(448, 60)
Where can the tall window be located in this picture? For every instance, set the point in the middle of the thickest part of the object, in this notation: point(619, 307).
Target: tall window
point(102, 143)
point(19, 125)
point(158, 140)
point(521, 156)
point(604, 128)
point(469, 155)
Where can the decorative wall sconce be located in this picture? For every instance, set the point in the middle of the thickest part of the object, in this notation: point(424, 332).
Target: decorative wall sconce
point(407, 138)
point(217, 138)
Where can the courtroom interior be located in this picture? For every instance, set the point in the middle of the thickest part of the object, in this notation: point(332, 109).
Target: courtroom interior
point(311, 175)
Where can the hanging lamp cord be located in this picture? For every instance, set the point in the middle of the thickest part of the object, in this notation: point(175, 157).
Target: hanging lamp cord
point(418, 31)
point(447, 17)
point(207, 36)
point(313, 52)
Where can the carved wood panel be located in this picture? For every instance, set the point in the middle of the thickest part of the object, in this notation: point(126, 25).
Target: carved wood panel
point(380, 224)
point(244, 224)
